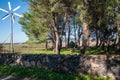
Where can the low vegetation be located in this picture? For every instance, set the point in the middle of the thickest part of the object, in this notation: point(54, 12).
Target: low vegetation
point(36, 73)
point(39, 49)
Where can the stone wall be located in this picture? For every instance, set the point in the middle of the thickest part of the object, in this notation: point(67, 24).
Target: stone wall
point(101, 65)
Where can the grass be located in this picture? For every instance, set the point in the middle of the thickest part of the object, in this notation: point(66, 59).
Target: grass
point(64, 51)
point(49, 51)
point(39, 49)
point(95, 50)
point(43, 74)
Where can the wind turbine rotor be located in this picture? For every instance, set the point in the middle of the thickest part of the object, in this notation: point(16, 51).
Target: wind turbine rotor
point(18, 15)
point(4, 17)
point(16, 8)
point(3, 10)
point(9, 5)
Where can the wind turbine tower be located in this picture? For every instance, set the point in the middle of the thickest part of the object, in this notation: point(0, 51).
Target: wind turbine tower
point(11, 13)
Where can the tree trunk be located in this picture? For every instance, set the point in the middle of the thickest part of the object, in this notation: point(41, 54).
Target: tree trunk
point(53, 39)
point(69, 30)
point(65, 41)
point(108, 46)
point(85, 38)
point(63, 34)
point(53, 45)
point(46, 45)
point(97, 38)
point(118, 44)
point(114, 42)
point(79, 36)
point(57, 35)
point(58, 43)
point(75, 37)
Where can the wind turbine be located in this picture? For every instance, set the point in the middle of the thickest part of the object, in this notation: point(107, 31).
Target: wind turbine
point(11, 13)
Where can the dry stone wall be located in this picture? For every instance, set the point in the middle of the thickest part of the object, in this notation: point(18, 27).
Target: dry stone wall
point(101, 65)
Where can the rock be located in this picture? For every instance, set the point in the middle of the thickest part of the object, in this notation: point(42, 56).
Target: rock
point(93, 65)
point(32, 63)
point(18, 61)
point(27, 64)
point(81, 64)
point(111, 75)
point(39, 65)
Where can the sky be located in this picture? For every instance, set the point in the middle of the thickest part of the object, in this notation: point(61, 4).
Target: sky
point(18, 35)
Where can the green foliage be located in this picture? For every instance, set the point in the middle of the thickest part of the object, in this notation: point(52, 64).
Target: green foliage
point(43, 74)
point(35, 22)
point(44, 17)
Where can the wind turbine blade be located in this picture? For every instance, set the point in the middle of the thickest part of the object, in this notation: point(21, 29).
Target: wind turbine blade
point(18, 15)
point(4, 17)
point(13, 19)
point(16, 8)
point(9, 5)
point(3, 10)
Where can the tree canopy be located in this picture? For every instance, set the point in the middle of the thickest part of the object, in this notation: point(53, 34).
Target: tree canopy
point(54, 19)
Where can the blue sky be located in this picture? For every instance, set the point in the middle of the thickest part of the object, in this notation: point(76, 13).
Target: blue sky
point(19, 35)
